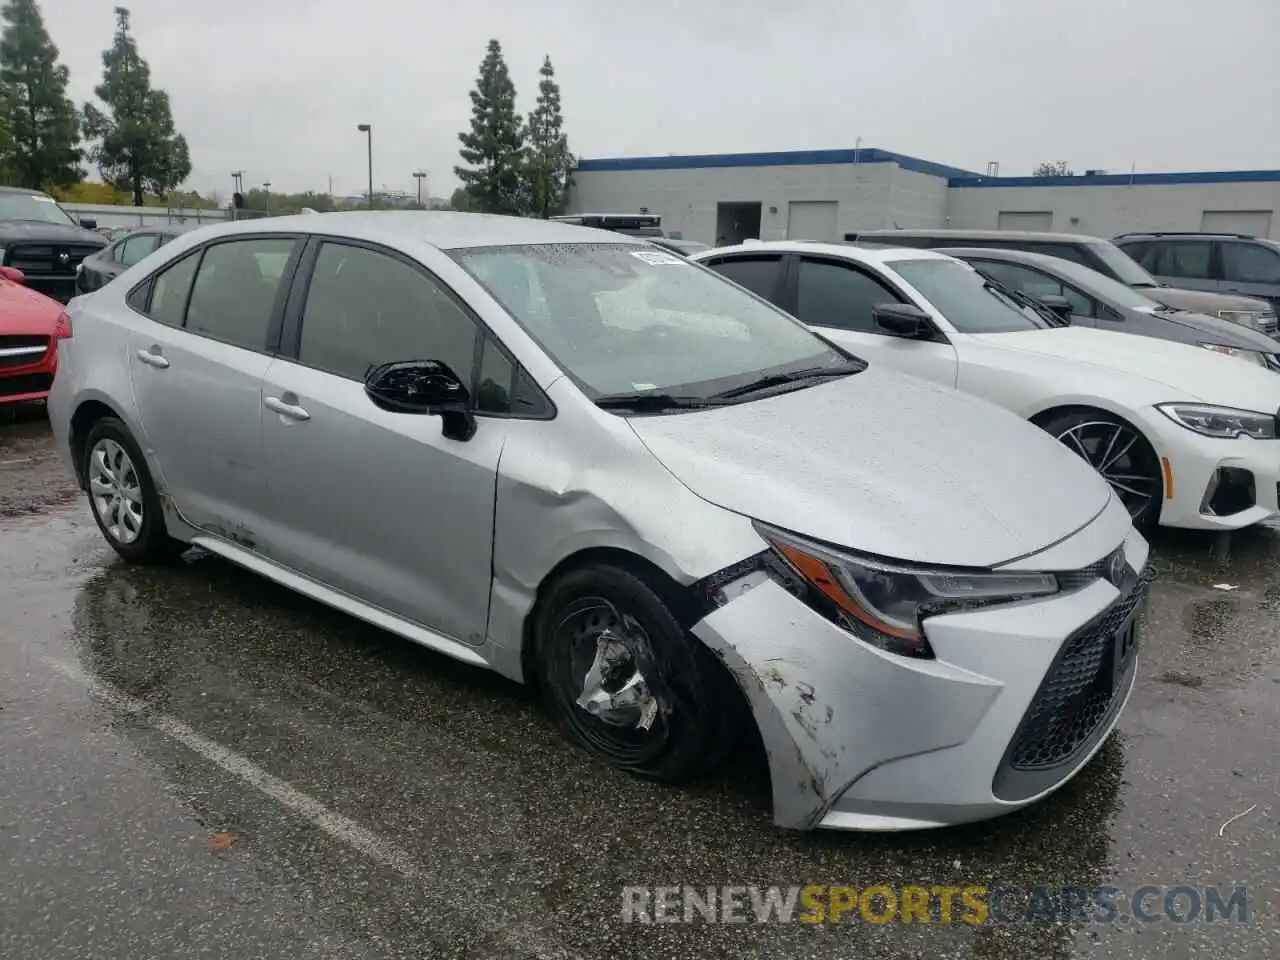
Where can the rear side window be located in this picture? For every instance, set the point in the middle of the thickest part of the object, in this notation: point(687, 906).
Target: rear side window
point(760, 275)
point(833, 295)
point(234, 293)
point(1183, 258)
point(1250, 263)
point(365, 308)
point(135, 248)
point(169, 291)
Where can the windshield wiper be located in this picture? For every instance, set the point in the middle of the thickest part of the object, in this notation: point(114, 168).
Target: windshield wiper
point(795, 376)
point(650, 402)
point(1026, 300)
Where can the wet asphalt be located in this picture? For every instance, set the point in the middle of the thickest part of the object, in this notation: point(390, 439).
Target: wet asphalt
point(197, 763)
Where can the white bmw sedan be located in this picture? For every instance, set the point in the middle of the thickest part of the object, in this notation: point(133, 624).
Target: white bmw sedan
point(1186, 437)
point(593, 466)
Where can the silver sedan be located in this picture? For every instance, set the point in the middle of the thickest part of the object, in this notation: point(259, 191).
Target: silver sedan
point(594, 466)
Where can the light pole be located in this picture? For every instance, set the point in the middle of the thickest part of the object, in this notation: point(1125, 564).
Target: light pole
point(367, 130)
point(420, 175)
point(237, 186)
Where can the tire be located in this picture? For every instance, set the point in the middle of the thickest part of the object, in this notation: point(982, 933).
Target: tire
point(123, 497)
point(1119, 453)
point(601, 613)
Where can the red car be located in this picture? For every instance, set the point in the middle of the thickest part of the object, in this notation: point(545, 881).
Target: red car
point(30, 326)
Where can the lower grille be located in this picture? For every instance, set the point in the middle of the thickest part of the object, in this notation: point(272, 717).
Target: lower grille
point(27, 383)
point(1078, 694)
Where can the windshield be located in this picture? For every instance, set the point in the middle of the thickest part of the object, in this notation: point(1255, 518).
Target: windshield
point(621, 319)
point(1102, 286)
point(965, 298)
point(31, 206)
point(1122, 265)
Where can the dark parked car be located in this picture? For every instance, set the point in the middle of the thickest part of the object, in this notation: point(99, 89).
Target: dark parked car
point(1220, 262)
point(42, 240)
point(122, 253)
point(1089, 299)
point(1094, 253)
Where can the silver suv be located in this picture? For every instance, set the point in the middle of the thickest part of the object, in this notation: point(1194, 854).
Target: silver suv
point(1234, 263)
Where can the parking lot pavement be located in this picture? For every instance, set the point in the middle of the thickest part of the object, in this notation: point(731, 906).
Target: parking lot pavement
point(194, 762)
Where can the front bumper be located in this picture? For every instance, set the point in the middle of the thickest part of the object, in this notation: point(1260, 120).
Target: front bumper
point(1212, 484)
point(860, 739)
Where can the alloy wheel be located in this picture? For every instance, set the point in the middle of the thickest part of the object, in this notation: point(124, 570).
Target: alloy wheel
point(1120, 455)
point(116, 491)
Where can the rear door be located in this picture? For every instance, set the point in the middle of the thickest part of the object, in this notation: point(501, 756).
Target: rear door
point(382, 505)
point(1250, 269)
point(197, 358)
point(1187, 264)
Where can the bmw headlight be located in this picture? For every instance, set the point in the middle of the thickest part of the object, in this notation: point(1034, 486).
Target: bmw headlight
point(1252, 356)
point(1224, 423)
point(886, 603)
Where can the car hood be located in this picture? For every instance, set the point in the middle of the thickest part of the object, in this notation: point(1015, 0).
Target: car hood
point(1218, 331)
point(1203, 301)
point(25, 311)
point(17, 231)
point(1190, 373)
point(884, 464)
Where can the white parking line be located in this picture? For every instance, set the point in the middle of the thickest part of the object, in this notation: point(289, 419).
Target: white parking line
point(521, 939)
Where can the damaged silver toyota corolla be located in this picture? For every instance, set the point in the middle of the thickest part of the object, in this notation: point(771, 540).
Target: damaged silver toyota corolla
point(586, 463)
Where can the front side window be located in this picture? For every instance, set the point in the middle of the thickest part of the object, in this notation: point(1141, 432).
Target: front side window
point(1188, 259)
point(964, 296)
point(834, 295)
point(1035, 284)
point(365, 308)
point(135, 248)
point(1250, 263)
point(760, 275)
point(621, 319)
point(233, 296)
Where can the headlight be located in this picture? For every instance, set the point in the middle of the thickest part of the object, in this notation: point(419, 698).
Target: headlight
point(885, 603)
point(1252, 356)
point(1225, 423)
point(1246, 317)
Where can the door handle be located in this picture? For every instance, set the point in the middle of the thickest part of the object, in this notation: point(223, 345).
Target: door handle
point(290, 410)
point(152, 359)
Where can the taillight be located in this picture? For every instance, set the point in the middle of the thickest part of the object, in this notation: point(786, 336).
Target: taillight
point(62, 328)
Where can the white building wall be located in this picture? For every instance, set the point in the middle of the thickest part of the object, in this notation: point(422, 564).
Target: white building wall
point(1105, 211)
point(869, 195)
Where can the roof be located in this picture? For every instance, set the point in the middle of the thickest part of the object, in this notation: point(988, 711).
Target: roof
point(1030, 236)
point(789, 158)
point(446, 230)
point(1121, 179)
point(846, 251)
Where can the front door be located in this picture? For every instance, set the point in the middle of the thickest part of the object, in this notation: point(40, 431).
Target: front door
point(837, 299)
point(197, 362)
point(377, 504)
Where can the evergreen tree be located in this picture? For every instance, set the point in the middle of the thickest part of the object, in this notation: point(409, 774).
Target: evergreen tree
point(137, 150)
point(40, 146)
point(549, 164)
point(493, 149)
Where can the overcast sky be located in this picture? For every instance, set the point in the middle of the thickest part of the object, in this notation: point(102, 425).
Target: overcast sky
point(276, 87)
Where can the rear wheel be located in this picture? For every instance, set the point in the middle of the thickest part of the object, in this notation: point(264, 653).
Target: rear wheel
point(123, 496)
point(1120, 454)
point(625, 681)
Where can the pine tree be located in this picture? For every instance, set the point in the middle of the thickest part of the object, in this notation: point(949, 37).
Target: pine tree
point(41, 140)
point(549, 163)
point(493, 149)
point(138, 150)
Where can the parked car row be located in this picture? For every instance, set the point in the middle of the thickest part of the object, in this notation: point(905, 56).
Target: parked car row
point(871, 502)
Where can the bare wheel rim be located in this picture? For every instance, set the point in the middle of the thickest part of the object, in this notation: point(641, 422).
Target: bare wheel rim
point(605, 682)
point(1120, 456)
point(116, 491)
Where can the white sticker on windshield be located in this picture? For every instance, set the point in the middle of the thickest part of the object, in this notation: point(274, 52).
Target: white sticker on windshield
point(656, 258)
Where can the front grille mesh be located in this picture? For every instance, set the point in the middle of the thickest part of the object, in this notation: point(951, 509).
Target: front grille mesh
point(48, 258)
point(1076, 694)
point(27, 383)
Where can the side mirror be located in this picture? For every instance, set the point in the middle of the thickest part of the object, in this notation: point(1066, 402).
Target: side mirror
point(1059, 305)
point(903, 320)
point(89, 223)
point(424, 387)
point(13, 274)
